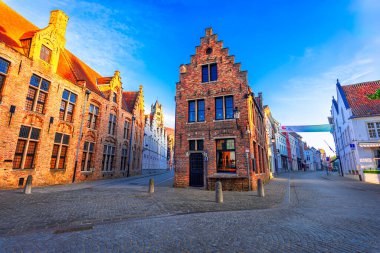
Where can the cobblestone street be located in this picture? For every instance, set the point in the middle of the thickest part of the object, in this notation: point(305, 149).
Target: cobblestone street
point(310, 212)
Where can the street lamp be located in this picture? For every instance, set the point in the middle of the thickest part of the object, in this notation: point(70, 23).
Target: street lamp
point(236, 113)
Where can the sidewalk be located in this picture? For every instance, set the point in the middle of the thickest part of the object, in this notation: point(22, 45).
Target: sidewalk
point(81, 185)
point(99, 204)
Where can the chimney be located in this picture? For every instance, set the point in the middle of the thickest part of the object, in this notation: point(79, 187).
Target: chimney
point(209, 31)
point(59, 20)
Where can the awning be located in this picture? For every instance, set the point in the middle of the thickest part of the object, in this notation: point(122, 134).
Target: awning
point(369, 144)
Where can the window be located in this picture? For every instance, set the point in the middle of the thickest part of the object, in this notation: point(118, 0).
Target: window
point(112, 124)
point(37, 93)
point(59, 154)
point(108, 158)
point(374, 130)
point(45, 54)
point(197, 110)
point(4, 67)
point(123, 166)
point(225, 155)
point(209, 73)
point(196, 145)
point(88, 151)
point(93, 114)
point(224, 108)
point(26, 148)
point(126, 130)
point(114, 97)
point(67, 106)
point(377, 158)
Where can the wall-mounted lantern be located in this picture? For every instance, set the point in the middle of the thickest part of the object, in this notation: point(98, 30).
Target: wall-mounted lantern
point(12, 110)
point(51, 121)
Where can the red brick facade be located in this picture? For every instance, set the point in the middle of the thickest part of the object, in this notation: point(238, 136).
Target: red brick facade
point(241, 140)
point(52, 122)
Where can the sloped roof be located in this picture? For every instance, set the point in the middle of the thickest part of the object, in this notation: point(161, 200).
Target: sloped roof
point(14, 27)
point(356, 95)
point(335, 105)
point(129, 100)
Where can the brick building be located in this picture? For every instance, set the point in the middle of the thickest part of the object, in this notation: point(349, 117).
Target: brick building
point(60, 120)
point(220, 130)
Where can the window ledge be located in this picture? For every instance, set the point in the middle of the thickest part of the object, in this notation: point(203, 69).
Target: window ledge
point(210, 82)
point(221, 120)
point(57, 170)
point(197, 122)
point(108, 172)
point(13, 169)
point(87, 172)
point(225, 175)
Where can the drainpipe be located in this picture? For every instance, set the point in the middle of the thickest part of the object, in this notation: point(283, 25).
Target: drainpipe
point(80, 134)
point(130, 144)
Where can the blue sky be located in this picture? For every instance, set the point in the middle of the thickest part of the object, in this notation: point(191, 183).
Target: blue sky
point(293, 50)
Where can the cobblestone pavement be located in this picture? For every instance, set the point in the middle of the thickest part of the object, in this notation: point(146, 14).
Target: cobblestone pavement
point(310, 213)
point(106, 201)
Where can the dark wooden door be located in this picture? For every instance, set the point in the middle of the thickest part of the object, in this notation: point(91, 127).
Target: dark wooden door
point(196, 169)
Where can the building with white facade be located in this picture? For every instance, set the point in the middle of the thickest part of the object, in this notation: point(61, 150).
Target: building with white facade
point(271, 127)
point(282, 152)
point(313, 158)
point(155, 148)
point(356, 129)
point(297, 151)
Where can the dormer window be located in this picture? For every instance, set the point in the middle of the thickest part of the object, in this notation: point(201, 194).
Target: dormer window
point(45, 53)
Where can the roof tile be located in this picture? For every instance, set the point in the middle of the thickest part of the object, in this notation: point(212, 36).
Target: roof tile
point(356, 95)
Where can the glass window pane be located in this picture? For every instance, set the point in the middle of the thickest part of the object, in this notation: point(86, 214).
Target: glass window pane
point(230, 144)
point(201, 110)
point(191, 111)
point(65, 94)
point(45, 85)
point(192, 145)
point(91, 147)
point(70, 108)
point(204, 73)
point(2, 79)
point(17, 161)
point(214, 72)
point(35, 80)
point(57, 138)
point(226, 161)
point(4, 65)
point(66, 139)
point(73, 98)
point(85, 146)
point(219, 108)
point(20, 146)
point(24, 131)
point(35, 135)
point(200, 145)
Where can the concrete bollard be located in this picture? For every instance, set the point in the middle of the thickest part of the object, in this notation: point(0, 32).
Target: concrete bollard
point(218, 192)
point(28, 185)
point(151, 185)
point(260, 188)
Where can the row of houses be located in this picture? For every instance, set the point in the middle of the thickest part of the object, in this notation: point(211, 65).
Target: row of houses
point(355, 118)
point(61, 121)
point(288, 152)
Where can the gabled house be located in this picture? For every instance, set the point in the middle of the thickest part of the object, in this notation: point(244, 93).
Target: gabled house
point(356, 128)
